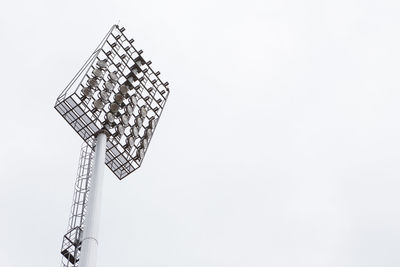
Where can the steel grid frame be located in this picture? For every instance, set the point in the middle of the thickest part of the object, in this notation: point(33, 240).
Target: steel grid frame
point(123, 156)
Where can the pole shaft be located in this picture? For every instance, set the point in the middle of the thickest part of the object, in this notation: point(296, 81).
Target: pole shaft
point(88, 253)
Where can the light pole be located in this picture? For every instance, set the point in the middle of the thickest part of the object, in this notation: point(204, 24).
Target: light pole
point(90, 233)
point(114, 103)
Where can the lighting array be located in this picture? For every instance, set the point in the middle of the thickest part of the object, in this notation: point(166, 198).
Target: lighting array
point(118, 93)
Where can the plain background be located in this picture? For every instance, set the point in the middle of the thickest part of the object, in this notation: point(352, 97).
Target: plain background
point(279, 145)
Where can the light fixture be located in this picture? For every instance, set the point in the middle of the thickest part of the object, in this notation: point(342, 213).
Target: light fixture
point(152, 123)
point(93, 82)
point(129, 109)
point(131, 141)
point(98, 73)
point(105, 96)
point(148, 133)
point(119, 98)
point(141, 153)
point(110, 117)
point(98, 104)
point(125, 119)
point(102, 63)
point(145, 143)
point(87, 91)
point(134, 99)
point(143, 111)
point(114, 76)
point(114, 107)
point(121, 129)
point(109, 85)
point(123, 89)
point(135, 131)
point(139, 122)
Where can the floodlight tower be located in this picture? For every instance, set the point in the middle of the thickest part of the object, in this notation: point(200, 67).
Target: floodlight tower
point(114, 103)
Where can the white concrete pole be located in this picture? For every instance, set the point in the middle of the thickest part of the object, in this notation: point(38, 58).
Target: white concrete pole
point(87, 257)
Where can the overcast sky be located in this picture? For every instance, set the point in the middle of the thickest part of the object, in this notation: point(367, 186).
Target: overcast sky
point(279, 144)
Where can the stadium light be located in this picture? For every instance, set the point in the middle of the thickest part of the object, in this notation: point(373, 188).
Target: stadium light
point(114, 104)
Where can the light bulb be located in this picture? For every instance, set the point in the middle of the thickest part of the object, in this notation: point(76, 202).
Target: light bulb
point(134, 100)
point(131, 141)
point(145, 143)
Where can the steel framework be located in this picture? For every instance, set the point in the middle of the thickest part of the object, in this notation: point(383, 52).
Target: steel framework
point(118, 91)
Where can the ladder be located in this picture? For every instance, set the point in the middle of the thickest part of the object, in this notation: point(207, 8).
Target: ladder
point(71, 244)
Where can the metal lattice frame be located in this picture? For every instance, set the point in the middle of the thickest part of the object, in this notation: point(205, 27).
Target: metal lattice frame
point(116, 91)
point(70, 248)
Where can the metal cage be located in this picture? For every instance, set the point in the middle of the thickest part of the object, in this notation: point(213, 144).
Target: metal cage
point(116, 91)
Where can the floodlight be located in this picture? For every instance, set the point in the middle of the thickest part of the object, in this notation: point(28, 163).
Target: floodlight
point(141, 153)
point(102, 63)
point(125, 120)
point(135, 131)
point(114, 107)
point(123, 89)
point(152, 123)
point(98, 104)
point(98, 73)
point(145, 143)
point(121, 129)
point(139, 122)
point(114, 76)
point(129, 109)
point(93, 82)
point(87, 91)
point(109, 85)
point(105, 96)
point(115, 71)
point(143, 111)
point(110, 117)
point(119, 98)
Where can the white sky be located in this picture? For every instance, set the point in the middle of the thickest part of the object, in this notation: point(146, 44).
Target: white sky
point(279, 145)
